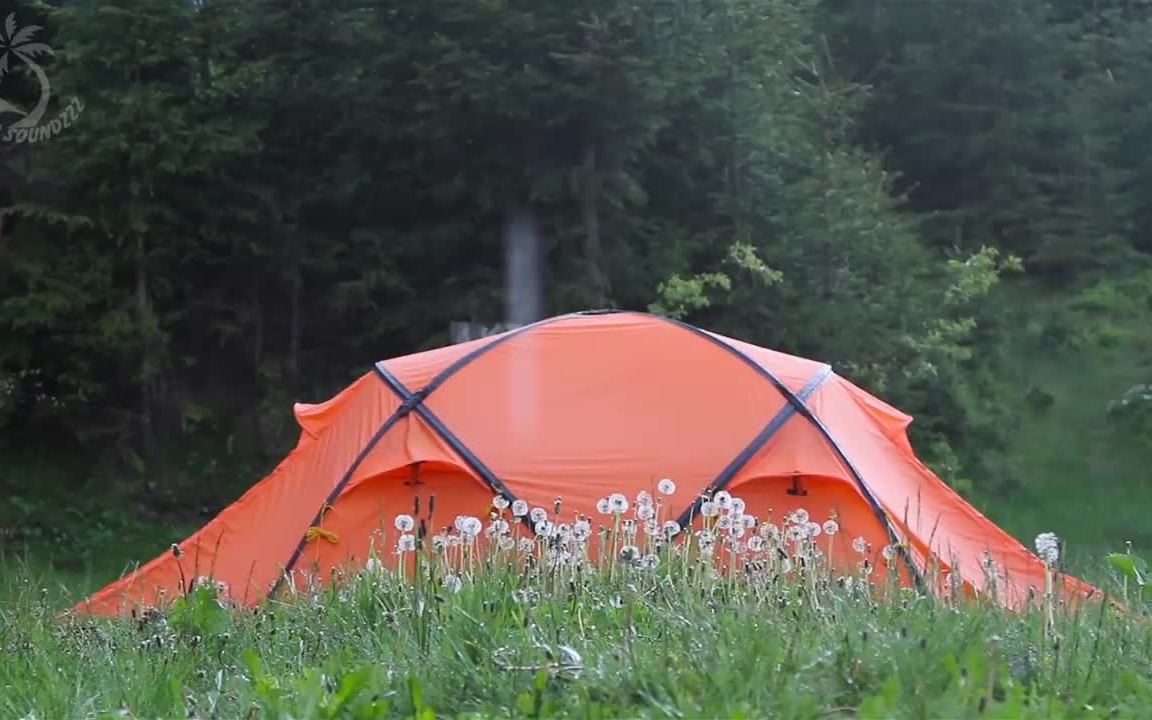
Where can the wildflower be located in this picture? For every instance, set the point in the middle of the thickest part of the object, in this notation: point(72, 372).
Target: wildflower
point(1048, 548)
point(666, 486)
point(453, 583)
point(769, 531)
point(538, 514)
point(860, 545)
point(617, 503)
point(499, 502)
point(831, 527)
point(581, 530)
point(520, 508)
point(723, 499)
point(471, 526)
point(406, 543)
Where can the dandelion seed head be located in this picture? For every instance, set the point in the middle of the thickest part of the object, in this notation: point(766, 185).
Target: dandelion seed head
point(799, 516)
point(525, 545)
point(755, 543)
point(889, 552)
point(538, 514)
point(1048, 548)
point(709, 509)
point(470, 526)
point(860, 545)
point(404, 523)
point(651, 562)
point(505, 543)
point(543, 528)
point(645, 512)
point(617, 503)
point(520, 508)
point(723, 499)
point(406, 543)
point(813, 529)
point(737, 506)
point(452, 583)
point(671, 528)
point(666, 486)
point(831, 527)
point(500, 502)
point(603, 506)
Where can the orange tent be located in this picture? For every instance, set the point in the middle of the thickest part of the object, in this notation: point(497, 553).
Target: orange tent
point(580, 407)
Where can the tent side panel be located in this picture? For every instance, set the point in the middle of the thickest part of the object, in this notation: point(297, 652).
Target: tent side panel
point(246, 545)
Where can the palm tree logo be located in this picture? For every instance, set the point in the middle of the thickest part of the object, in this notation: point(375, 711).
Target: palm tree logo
point(17, 46)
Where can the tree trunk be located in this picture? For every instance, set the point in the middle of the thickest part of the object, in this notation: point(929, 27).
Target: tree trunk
point(147, 354)
point(295, 288)
point(590, 213)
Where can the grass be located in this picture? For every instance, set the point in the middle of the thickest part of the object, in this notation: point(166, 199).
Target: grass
point(497, 635)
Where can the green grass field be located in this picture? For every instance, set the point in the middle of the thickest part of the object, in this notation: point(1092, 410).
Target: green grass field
point(587, 641)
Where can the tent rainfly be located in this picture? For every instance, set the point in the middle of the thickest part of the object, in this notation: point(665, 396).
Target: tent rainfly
point(580, 407)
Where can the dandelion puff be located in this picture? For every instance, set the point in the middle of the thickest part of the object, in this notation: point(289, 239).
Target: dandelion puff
point(889, 552)
point(709, 509)
point(617, 503)
point(582, 530)
point(755, 543)
point(630, 553)
point(520, 508)
point(737, 506)
point(705, 537)
point(860, 545)
point(671, 528)
point(724, 523)
point(603, 506)
point(800, 516)
point(651, 562)
point(785, 565)
point(538, 514)
point(643, 498)
point(404, 523)
point(453, 583)
point(813, 529)
point(506, 543)
point(500, 502)
point(544, 528)
point(471, 526)
point(651, 527)
point(831, 527)
point(645, 512)
point(406, 543)
point(1048, 547)
point(723, 499)
point(769, 531)
point(666, 486)
point(749, 521)
point(525, 545)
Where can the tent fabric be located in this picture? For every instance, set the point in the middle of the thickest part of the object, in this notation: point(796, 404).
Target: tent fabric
point(578, 407)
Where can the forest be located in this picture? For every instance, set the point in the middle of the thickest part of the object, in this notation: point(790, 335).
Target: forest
point(244, 204)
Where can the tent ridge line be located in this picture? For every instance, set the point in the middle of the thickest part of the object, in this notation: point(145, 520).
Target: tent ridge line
point(778, 421)
point(804, 410)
